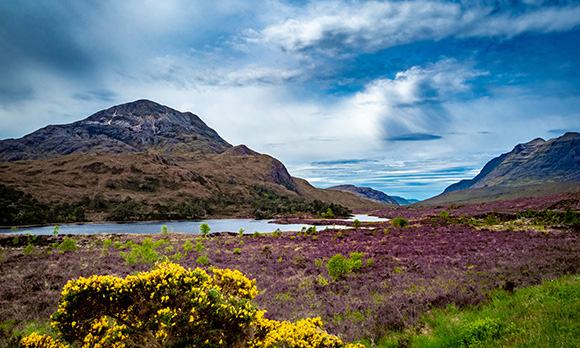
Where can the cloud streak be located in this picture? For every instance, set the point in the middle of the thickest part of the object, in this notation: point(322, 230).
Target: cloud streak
point(337, 28)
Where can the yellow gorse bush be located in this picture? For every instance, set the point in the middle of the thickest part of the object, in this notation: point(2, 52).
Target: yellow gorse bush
point(172, 307)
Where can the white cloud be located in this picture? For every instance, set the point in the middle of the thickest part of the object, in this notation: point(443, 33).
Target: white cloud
point(411, 102)
point(338, 28)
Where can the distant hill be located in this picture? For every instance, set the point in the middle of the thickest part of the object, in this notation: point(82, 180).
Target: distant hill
point(535, 168)
point(404, 201)
point(367, 193)
point(143, 160)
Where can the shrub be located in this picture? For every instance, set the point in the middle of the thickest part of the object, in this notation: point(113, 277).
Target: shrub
point(68, 245)
point(479, 331)
point(118, 245)
point(28, 250)
point(356, 224)
point(204, 229)
point(198, 246)
point(237, 251)
point(338, 266)
point(144, 253)
point(173, 307)
point(187, 246)
point(400, 222)
point(355, 261)
point(202, 260)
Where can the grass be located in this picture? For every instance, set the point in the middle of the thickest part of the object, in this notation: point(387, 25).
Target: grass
point(539, 316)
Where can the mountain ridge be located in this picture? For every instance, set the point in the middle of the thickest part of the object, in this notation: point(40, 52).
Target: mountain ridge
point(536, 168)
point(537, 161)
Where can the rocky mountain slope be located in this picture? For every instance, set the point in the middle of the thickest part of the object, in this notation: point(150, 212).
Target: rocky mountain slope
point(535, 162)
point(128, 128)
point(142, 160)
point(367, 193)
point(535, 168)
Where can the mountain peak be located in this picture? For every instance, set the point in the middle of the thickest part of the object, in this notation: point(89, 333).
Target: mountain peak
point(536, 162)
point(137, 126)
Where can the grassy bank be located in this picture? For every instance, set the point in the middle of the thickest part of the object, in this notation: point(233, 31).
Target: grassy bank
point(537, 316)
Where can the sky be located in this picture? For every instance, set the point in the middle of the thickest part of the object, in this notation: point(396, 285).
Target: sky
point(406, 97)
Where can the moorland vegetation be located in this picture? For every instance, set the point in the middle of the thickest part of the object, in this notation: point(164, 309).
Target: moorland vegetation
point(391, 283)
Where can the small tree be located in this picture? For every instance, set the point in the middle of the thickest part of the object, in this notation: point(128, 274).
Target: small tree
point(400, 222)
point(356, 224)
point(204, 229)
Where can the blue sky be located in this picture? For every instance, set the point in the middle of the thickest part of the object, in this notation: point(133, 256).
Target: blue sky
point(406, 97)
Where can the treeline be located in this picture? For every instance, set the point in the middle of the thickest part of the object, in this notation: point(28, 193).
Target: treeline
point(269, 203)
point(19, 208)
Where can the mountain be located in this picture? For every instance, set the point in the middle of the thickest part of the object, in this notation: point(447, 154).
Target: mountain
point(128, 128)
point(535, 168)
point(142, 160)
point(367, 193)
point(404, 201)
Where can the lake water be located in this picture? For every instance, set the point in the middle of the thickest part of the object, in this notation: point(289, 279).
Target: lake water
point(222, 225)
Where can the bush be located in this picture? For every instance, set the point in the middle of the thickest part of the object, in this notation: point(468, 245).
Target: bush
point(198, 246)
point(68, 245)
point(479, 331)
point(187, 246)
point(172, 307)
point(202, 260)
point(28, 250)
point(144, 253)
point(338, 266)
point(400, 222)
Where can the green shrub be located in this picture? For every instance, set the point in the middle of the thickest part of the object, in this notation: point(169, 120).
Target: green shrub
point(68, 245)
point(355, 260)
point(479, 331)
point(107, 243)
point(356, 224)
point(256, 234)
point(199, 246)
point(118, 245)
point(187, 246)
point(144, 253)
point(164, 230)
point(28, 250)
point(237, 251)
point(55, 230)
point(400, 222)
point(202, 260)
point(338, 267)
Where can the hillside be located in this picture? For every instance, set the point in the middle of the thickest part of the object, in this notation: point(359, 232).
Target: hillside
point(366, 193)
point(533, 169)
point(142, 160)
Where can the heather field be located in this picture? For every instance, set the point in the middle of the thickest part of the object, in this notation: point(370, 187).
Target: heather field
point(364, 282)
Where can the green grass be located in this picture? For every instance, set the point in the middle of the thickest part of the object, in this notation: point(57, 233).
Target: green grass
point(540, 316)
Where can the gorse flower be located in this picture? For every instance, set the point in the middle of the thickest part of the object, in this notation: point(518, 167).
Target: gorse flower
point(172, 306)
